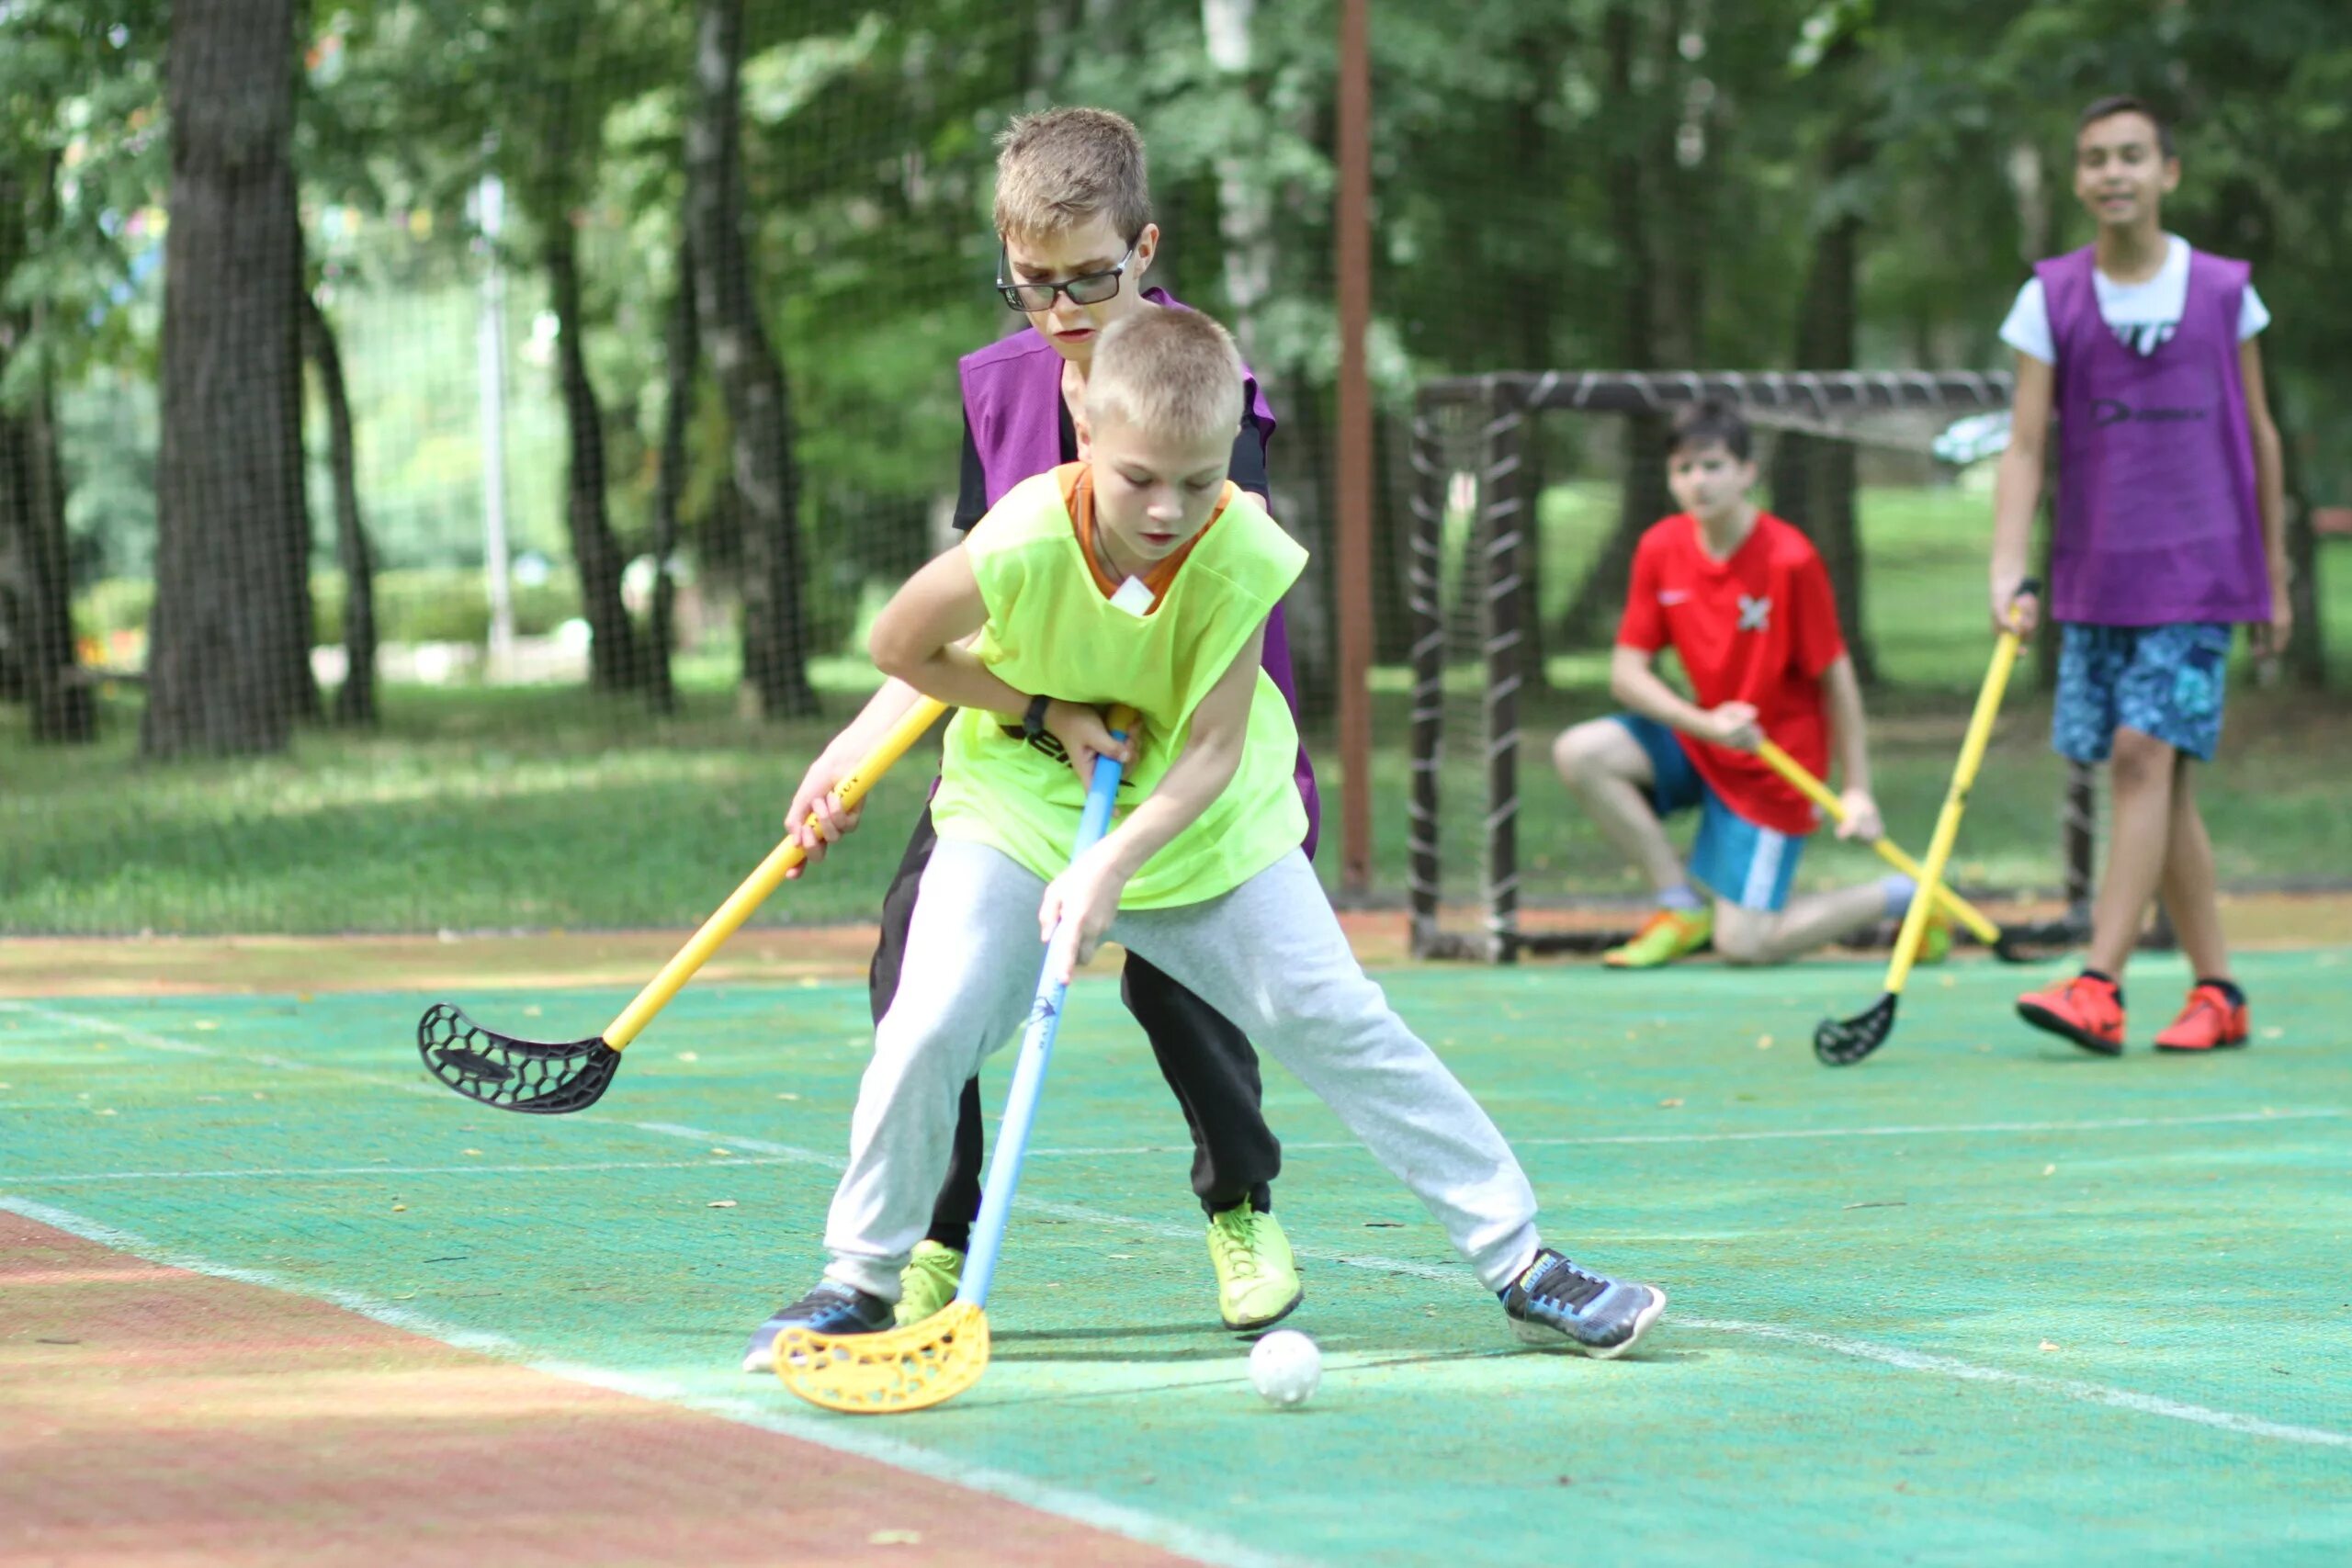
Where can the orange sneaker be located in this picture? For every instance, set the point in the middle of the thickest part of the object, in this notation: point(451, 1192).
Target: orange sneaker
point(2209, 1021)
point(2084, 1009)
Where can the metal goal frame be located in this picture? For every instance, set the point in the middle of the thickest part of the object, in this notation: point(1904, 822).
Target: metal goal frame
point(1497, 408)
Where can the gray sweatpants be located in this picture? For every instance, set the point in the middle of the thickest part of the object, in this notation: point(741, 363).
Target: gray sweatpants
point(1270, 955)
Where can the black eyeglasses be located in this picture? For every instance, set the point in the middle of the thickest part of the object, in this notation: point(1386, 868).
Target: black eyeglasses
point(1033, 299)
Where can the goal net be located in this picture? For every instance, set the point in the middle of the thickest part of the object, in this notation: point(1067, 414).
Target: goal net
point(1521, 530)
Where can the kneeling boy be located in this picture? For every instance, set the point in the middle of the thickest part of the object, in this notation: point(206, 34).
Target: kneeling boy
point(1744, 603)
point(1143, 577)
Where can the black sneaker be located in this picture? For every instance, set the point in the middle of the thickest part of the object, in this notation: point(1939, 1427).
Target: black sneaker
point(1553, 1300)
point(831, 1308)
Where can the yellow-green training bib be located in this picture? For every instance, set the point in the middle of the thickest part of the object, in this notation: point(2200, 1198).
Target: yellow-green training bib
point(1051, 630)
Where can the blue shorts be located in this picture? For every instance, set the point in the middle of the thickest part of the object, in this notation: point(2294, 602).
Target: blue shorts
point(2164, 681)
point(1732, 858)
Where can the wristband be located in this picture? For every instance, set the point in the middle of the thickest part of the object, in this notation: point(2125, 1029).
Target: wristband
point(1033, 720)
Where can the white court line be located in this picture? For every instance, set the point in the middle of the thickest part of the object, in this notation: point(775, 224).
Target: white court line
point(2104, 1124)
point(154, 1042)
point(282, 1173)
point(1862, 1349)
point(2064, 1388)
point(847, 1435)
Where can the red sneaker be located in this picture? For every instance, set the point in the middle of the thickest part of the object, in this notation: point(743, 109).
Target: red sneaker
point(2209, 1021)
point(2084, 1009)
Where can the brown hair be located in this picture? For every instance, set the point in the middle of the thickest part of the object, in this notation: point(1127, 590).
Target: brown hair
point(1166, 372)
point(1709, 421)
point(2124, 103)
point(1059, 167)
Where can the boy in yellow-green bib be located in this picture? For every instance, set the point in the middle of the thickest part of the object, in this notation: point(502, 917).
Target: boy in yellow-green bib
point(1141, 576)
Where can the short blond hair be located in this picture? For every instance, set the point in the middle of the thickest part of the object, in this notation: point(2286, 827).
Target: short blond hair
point(1057, 168)
point(1172, 373)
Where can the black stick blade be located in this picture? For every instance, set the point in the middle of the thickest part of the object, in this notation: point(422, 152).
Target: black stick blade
point(530, 1076)
point(1842, 1043)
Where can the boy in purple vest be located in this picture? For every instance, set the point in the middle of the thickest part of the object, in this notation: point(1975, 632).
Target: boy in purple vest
point(1074, 217)
point(2170, 531)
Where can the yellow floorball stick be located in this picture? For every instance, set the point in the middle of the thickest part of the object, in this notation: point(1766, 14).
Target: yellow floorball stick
point(1840, 1042)
point(551, 1077)
point(930, 1362)
point(1951, 903)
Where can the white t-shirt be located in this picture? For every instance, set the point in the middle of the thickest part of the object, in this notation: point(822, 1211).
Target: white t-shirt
point(2142, 315)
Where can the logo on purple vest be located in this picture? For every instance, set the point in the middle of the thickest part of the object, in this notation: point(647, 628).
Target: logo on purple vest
point(2113, 410)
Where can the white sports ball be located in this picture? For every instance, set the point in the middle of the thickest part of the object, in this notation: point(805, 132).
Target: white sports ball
point(1286, 1366)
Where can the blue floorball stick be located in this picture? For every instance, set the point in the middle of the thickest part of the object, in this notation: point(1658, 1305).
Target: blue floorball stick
point(932, 1361)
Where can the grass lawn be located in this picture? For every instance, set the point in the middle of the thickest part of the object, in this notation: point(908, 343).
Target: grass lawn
point(476, 809)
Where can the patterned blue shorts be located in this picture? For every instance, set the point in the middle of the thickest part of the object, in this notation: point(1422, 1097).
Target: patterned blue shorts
point(2164, 681)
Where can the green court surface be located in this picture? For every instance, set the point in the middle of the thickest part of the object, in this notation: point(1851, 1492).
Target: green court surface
point(1981, 1299)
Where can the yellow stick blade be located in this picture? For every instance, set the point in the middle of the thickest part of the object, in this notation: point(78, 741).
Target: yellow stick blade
point(913, 1368)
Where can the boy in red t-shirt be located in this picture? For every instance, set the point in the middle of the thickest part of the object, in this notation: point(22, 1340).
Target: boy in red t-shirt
point(1744, 603)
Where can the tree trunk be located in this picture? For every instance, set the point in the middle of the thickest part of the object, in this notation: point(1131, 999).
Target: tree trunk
point(2306, 657)
point(613, 663)
point(1812, 479)
point(669, 486)
point(1534, 294)
point(32, 506)
point(225, 630)
point(750, 379)
point(355, 702)
point(1642, 498)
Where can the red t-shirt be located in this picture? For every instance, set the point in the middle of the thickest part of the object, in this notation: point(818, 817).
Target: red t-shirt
point(1759, 627)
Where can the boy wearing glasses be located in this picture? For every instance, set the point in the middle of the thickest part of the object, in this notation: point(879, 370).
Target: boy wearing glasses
point(1073, 217)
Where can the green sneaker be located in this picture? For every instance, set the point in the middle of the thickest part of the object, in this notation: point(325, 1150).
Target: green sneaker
point(1257, 1278)
point(1666, 936)
point(928, 1281)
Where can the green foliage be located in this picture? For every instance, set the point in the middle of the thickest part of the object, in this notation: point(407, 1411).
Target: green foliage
point(1502, 242)
point(442, 604)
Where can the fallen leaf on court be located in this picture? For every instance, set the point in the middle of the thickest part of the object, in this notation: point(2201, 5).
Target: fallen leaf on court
point(688, 1056)
point(476, 1152)
point(2049, 1171)
point(106, 1113)
point(787, 1097)
point(1120, 1257)
point(302, 996)
point(1669, 1104)
point(722, 1151)
point(531, 1013)
point(2048, 1346)
point(205, 1024)
point(1384, 1224)
point(895, 1538)
point(721, 1203)
point(2274, 1033)
point(1763, 1042)
point(400, 1208)
point(810, 982)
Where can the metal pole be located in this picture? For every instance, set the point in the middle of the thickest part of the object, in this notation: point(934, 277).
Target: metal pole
point(1505, 507)
point(1424, 603)
point(490, 339)
point(1353, 490)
